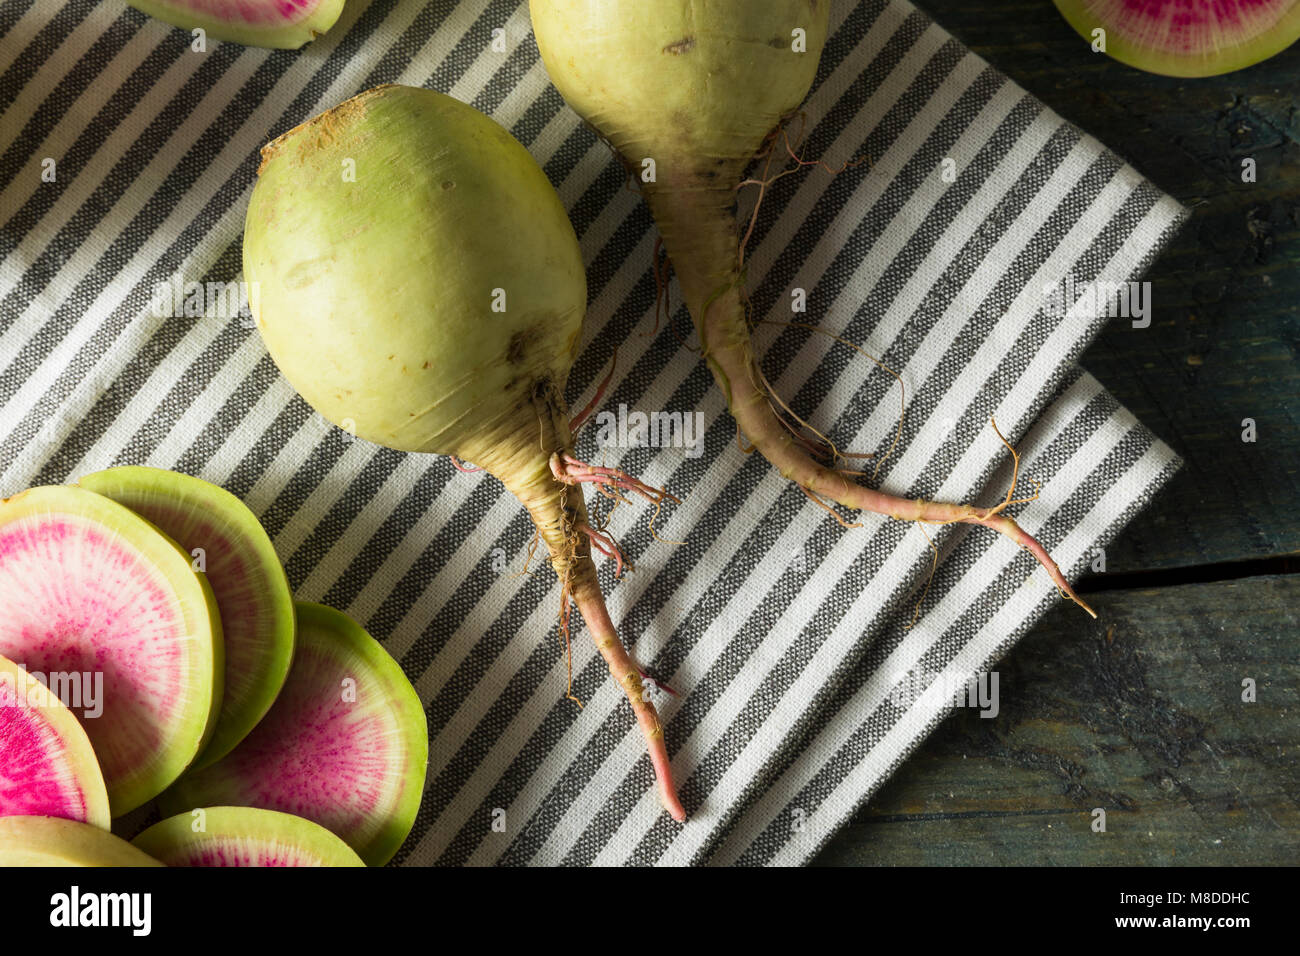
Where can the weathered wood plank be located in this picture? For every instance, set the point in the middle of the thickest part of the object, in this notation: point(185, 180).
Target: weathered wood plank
point(1147, 724)
point(1223, 343)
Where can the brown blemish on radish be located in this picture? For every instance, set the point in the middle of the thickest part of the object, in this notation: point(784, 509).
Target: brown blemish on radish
point(684, 45)
point(326, 126)
point(521, 345)
point(305, 273)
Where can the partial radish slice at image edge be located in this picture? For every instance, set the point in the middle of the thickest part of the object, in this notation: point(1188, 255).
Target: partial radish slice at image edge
point(346, 743)
point(47, 766)
point(263, 23)
point(91, 591)
point(252, 591)
point(53, 841)
point(1187, 37)
point(243, 836)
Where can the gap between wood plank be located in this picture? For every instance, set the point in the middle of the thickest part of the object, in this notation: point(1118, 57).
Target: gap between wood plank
point(1195, 574)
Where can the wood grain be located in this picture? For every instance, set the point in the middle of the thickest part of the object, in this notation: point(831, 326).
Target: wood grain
point(1141, 715)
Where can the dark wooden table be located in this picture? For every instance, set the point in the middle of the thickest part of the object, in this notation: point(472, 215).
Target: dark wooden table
point(1141, 713)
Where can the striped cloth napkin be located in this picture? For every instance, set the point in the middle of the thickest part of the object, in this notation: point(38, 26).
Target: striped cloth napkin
point(960, 254)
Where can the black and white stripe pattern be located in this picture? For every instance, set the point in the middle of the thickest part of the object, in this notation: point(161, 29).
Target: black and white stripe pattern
point(782, 628)
point(987, 603)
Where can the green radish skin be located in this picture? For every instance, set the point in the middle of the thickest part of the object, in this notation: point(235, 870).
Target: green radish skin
point(243, 836)
point(699, 88)
point(88, 586)
point(274, 24)
point(47, 766)
point(249, 583)
point(375, 298)
point(53, 841)
point(1187, 38)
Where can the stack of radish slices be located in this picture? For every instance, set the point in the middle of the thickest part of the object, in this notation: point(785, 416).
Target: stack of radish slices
point(151, 651)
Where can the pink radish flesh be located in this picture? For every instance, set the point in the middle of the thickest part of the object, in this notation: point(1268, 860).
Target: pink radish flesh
point(247, 579)
point(79, 600)
point(107, 614)
point(37, 776)
point(345, 744)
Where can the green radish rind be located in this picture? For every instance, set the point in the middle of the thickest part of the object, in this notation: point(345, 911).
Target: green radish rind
point(1088, 15)
point(263, 652)
point(190, 732)
point(273, 768)
point(53, 841)
point(240, 830)
point(375, 298)
point(76, 756)
point(695, 86)
point(276, 32)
